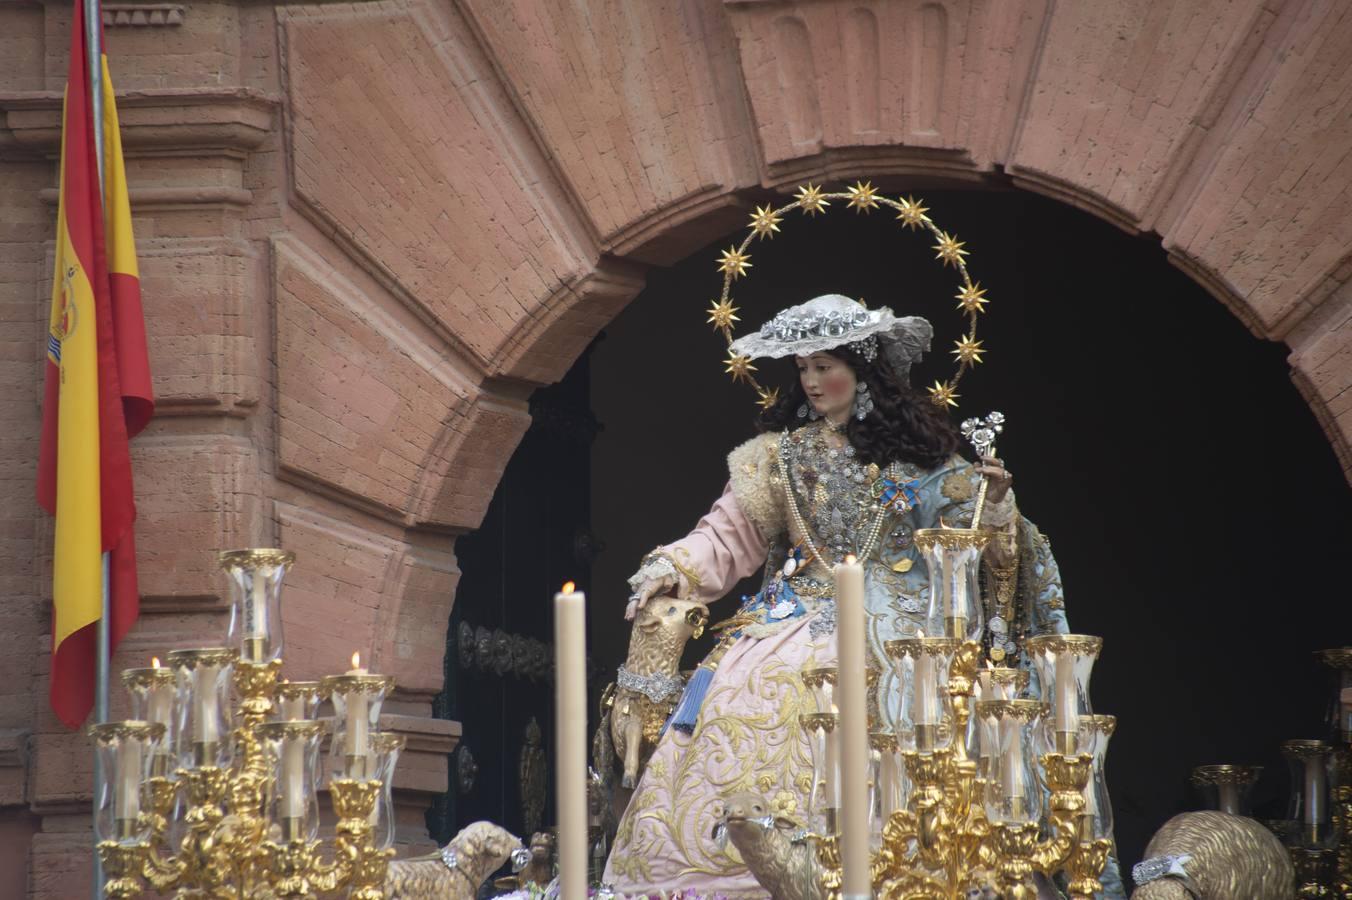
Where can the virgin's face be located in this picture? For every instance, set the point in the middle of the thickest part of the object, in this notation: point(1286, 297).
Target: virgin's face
point(829, 384)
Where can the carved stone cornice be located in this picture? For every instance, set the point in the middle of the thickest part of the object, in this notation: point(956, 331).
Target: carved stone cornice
point(228, 121)
point(141, 15)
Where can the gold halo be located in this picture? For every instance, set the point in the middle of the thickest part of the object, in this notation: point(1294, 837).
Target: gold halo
point(862, 197)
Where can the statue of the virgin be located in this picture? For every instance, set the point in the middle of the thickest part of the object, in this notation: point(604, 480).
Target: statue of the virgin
point(850, 461)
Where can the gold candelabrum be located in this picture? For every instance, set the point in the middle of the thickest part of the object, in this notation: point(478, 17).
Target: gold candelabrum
point(957, 792)
point(214, 785)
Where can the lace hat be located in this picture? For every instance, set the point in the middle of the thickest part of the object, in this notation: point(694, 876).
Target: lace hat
point(834, 320)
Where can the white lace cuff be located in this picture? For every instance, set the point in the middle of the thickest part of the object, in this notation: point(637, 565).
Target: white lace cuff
point(654, 567)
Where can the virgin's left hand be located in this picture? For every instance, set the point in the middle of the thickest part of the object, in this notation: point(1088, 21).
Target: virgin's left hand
point(1000, 478)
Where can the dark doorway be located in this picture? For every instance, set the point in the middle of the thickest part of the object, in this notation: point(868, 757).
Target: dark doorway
point(1197, 511)
point(499, 657)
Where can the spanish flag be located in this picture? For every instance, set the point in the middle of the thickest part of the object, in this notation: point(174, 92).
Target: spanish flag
point(98, 392)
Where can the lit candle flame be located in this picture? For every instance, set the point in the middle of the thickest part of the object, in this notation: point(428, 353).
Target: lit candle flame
point(154, 662)
point(851, 559)
point(569, 587)
point(920, 633)
point(356, 660)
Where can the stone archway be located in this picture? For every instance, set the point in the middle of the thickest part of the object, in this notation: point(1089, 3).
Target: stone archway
point(608, 149)
point(368, 231)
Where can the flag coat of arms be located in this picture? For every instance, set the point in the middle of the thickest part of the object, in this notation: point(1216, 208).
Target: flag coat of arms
point(97, 393)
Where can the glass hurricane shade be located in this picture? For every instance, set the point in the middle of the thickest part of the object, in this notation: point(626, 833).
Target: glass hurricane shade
point(357, 697)
point(202, 701)
point(293, 750)
point(255, 579)
point(125, 751)
point(954, 559)
point(1012, 793)
point(386, 748)
point(1064, 663)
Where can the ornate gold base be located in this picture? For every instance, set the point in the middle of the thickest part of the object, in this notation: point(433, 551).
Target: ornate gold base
point(122, 869)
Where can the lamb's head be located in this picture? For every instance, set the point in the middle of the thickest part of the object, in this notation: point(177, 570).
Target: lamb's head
point(680, 618)
point(747, 817)
point(484, 846)
point(783, 868)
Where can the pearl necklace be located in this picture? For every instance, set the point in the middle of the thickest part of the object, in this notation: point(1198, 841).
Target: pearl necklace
point(875, 530)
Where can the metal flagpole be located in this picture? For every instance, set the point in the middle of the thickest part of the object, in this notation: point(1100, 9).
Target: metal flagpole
point(94, 55)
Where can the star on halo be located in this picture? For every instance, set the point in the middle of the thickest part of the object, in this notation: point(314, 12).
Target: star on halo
point(734, 262)
point(950, 249)
point(739, 367)
point(863, 196)
point(972, 298)
point(912, 213)
point(722, 314)
point(765, 222)
point(810, 198)
point(943, 394)
point(767, 398)
point(968, 350)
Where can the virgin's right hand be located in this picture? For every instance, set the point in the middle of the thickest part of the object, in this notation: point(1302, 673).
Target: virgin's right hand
point(648, 589)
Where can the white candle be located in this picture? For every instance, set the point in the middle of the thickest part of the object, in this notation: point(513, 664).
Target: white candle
point(955, 592)
point(127, 801)
point(1229, 797)
point(160, 701)
point(852, 651)
point(205, 725)
point(256, 615)
point(1316, 790)
point(889, 784)
point(1067, 710)
point(570, 711)
point(926, 689)
point(355, 736)
point(293, 778)
point(1013, 761)
point(291, 708)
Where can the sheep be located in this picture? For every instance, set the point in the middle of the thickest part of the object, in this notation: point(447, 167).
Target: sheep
point(457, 871)
point(650, 683)
point(1231, 858)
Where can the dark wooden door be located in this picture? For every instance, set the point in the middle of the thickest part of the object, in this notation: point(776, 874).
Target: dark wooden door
point(499, 658)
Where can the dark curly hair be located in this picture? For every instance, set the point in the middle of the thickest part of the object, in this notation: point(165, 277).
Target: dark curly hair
point(903, 426)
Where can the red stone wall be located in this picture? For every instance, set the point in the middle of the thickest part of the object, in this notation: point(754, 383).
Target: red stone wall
point(368, 230)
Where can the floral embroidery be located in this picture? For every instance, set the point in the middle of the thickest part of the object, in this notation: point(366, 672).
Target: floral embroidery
point(957, 487)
